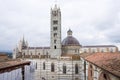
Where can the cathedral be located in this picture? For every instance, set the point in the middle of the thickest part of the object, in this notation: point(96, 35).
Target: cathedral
point(63, 59)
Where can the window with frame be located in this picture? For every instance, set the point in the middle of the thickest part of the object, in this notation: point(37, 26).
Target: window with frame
point(55, 47)
point(102, 50)
point(52, 67)
point(64, 69)
point(55, 41)
point(111, 50)
point(55, 22)
point(43, 65)
point(36, 65)
point(105, 76)
point(54, 13)
point(55, 28)
point(91, 70)
point(76, 68)
point(55, 34)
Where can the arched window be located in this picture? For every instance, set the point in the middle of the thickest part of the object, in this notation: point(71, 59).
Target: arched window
point(64, 68)
point(55, 34)
point(43, 65)
point(24, 54)
point(76, 68)
point(36, 65)
point(55, 47)
point(76, 78)
point(55, 41)
point(31, 53)
point(52, 67)
point(104, 76)
point(91, 70)
point(111, 50)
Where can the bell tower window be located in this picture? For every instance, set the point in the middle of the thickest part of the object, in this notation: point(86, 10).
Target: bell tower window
point(55, 41)
point(54, 13)
point(55, 34)
point(55, 22)
point(54, 28)
point(55, 47)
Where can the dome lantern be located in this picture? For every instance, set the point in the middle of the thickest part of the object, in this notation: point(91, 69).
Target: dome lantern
point(69, 32)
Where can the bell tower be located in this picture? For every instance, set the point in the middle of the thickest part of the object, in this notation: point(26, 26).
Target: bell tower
point(55, 44)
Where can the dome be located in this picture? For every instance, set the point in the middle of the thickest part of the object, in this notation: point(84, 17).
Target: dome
point(70, 40)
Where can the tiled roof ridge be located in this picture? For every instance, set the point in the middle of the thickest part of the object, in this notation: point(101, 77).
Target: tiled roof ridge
point(102, 67)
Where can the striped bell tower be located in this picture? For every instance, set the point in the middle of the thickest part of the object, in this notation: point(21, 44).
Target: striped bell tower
point(55, 44)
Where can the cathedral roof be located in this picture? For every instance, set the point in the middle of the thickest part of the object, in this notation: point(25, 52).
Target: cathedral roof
point(70, 40)
point(39, 47)
point(98, 46)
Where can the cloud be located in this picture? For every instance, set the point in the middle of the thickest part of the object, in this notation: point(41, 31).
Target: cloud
point(92, 21)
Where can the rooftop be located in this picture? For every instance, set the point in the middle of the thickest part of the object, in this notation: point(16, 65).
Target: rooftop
point(37, 48)
point(12, 64)
point(99, 46)
point(107, 61)
point(83, 55)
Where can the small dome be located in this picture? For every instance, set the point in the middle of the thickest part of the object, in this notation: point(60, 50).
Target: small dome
point(70, 40)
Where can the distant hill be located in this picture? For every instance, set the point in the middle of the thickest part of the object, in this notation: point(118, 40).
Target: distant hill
point(8, 53)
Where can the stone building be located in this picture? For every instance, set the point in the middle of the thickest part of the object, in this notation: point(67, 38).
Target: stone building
point(101, 66)
point(60, 61)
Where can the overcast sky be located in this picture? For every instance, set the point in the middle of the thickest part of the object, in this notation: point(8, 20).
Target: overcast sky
point(93, 22)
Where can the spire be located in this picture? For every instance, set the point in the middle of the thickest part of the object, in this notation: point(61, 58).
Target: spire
point(23, 43)
point(56, 5)
point(23, 40)
point(69, 32)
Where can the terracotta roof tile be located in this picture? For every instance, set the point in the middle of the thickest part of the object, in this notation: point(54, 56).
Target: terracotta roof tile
point(11, 63)
point(107, 61)
point(83, 55)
